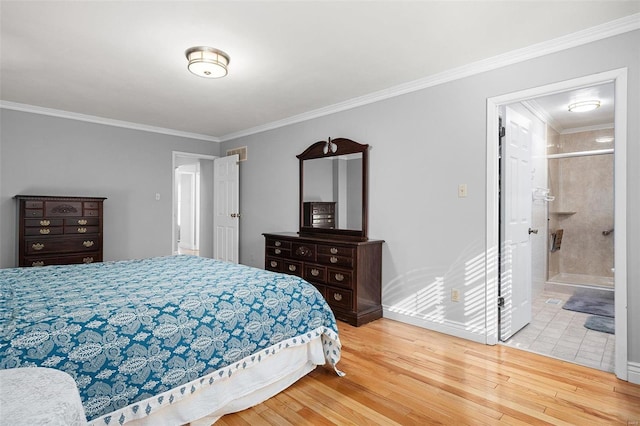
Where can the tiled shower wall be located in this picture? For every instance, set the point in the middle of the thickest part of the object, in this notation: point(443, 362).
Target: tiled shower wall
point(583, 207)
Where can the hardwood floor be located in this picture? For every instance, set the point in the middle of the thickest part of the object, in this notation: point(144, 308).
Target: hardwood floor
point(400, 374)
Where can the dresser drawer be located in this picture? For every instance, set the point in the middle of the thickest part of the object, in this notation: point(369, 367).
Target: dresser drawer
point(335, 250)
point(271, 242)
point(44, 230)
point(293, 268)
point(303, 251)
point(315, 273)
point(64, 260)
point(63, 208)
point(277, 251)
point(42, 222)
point(327, 259)
point(339, 277)
point(82, 221)
point(61, 245)
point(80, 229)
point(91, 205)
point(94, 213)
point(339, 298)
point(33, 213)
point(275, 265)
point(33, 204)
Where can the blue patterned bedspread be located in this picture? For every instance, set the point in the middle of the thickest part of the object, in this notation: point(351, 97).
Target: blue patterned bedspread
point(132, 330)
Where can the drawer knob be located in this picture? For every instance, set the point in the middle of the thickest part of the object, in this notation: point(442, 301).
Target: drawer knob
point(277, 251)
point(333, 259)
point(87, 260)
point(37, 246)
point(315, 272)
point(333, 250)
point(277, 244)
point(38, 263)
point(337, 296)
point(45, 222)
point(82, 222)
point(45, 231)
point(274, 263)
point(292, 268)
point(339, 277)
point(87, 243)
point(82, 230)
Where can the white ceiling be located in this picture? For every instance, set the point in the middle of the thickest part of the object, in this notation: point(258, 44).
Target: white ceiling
point(124, 60)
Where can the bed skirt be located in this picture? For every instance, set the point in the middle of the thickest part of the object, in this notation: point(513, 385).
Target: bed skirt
point(254, 381)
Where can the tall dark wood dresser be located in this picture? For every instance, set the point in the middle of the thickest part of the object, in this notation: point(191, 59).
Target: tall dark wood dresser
point(56, 230)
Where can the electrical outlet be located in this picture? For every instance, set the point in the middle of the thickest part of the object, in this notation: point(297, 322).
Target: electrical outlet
point(455, 295)
point(462, 190)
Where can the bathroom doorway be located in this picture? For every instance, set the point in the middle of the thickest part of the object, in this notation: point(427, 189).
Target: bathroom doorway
point(571, 231)
point(551, 166)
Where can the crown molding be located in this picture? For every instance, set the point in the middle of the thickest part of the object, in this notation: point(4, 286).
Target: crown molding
point(599, 32)
point(534, 107)
point(101, 120)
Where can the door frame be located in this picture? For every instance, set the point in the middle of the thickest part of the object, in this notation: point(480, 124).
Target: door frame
point(619, 78)
point(175, 154)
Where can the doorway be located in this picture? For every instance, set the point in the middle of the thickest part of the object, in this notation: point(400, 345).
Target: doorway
point(192, 204)
point(569, 216)
point(617, 80)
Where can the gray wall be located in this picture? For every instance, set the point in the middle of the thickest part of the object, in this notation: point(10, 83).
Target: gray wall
point(43, 155)
point(423, 145)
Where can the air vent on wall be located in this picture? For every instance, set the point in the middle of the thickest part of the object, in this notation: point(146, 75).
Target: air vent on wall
point(242, 152)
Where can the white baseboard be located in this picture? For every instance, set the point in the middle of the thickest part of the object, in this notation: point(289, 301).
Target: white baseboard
point(634, 372)
point(442, 326)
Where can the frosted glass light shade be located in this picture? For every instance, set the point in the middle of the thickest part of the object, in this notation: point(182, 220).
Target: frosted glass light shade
point(207, 62)
point(584, 106)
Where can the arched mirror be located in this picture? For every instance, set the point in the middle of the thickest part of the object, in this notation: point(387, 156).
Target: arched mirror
point(333, 188)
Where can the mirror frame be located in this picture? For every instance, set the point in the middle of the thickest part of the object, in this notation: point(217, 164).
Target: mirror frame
point(334, 148)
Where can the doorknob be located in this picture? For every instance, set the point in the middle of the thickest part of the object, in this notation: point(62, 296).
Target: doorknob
point(533, 231)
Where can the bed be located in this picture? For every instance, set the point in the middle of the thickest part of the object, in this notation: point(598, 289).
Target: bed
point(165, 340)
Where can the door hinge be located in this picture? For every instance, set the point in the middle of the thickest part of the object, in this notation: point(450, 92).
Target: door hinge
point(500, 302)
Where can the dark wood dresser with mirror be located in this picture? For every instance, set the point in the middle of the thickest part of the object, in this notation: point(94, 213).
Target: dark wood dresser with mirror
point(331, 249)
point(55, 230)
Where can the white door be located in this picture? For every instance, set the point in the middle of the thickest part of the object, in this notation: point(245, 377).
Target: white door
point(226, 218)
point(516, 196)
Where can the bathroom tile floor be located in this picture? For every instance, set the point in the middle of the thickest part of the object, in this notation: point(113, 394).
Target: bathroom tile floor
point(561, 334)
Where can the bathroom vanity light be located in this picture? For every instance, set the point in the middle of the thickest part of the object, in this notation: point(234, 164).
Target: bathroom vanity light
point(584, 106)
point(207, 62)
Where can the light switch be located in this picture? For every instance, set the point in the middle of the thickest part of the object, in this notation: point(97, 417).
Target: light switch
point(157, 196)
point(462, 190)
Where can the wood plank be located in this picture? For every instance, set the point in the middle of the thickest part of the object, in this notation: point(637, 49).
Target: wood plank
point(401, 374)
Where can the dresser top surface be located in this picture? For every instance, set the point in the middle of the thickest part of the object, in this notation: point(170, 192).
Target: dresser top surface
point(321, 238)
point(55, 197)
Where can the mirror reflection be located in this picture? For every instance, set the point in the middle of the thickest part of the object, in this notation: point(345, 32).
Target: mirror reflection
point(333, 192)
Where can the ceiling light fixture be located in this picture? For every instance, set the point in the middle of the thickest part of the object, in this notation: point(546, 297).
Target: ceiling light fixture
point(207, 62)
point(584, 106)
